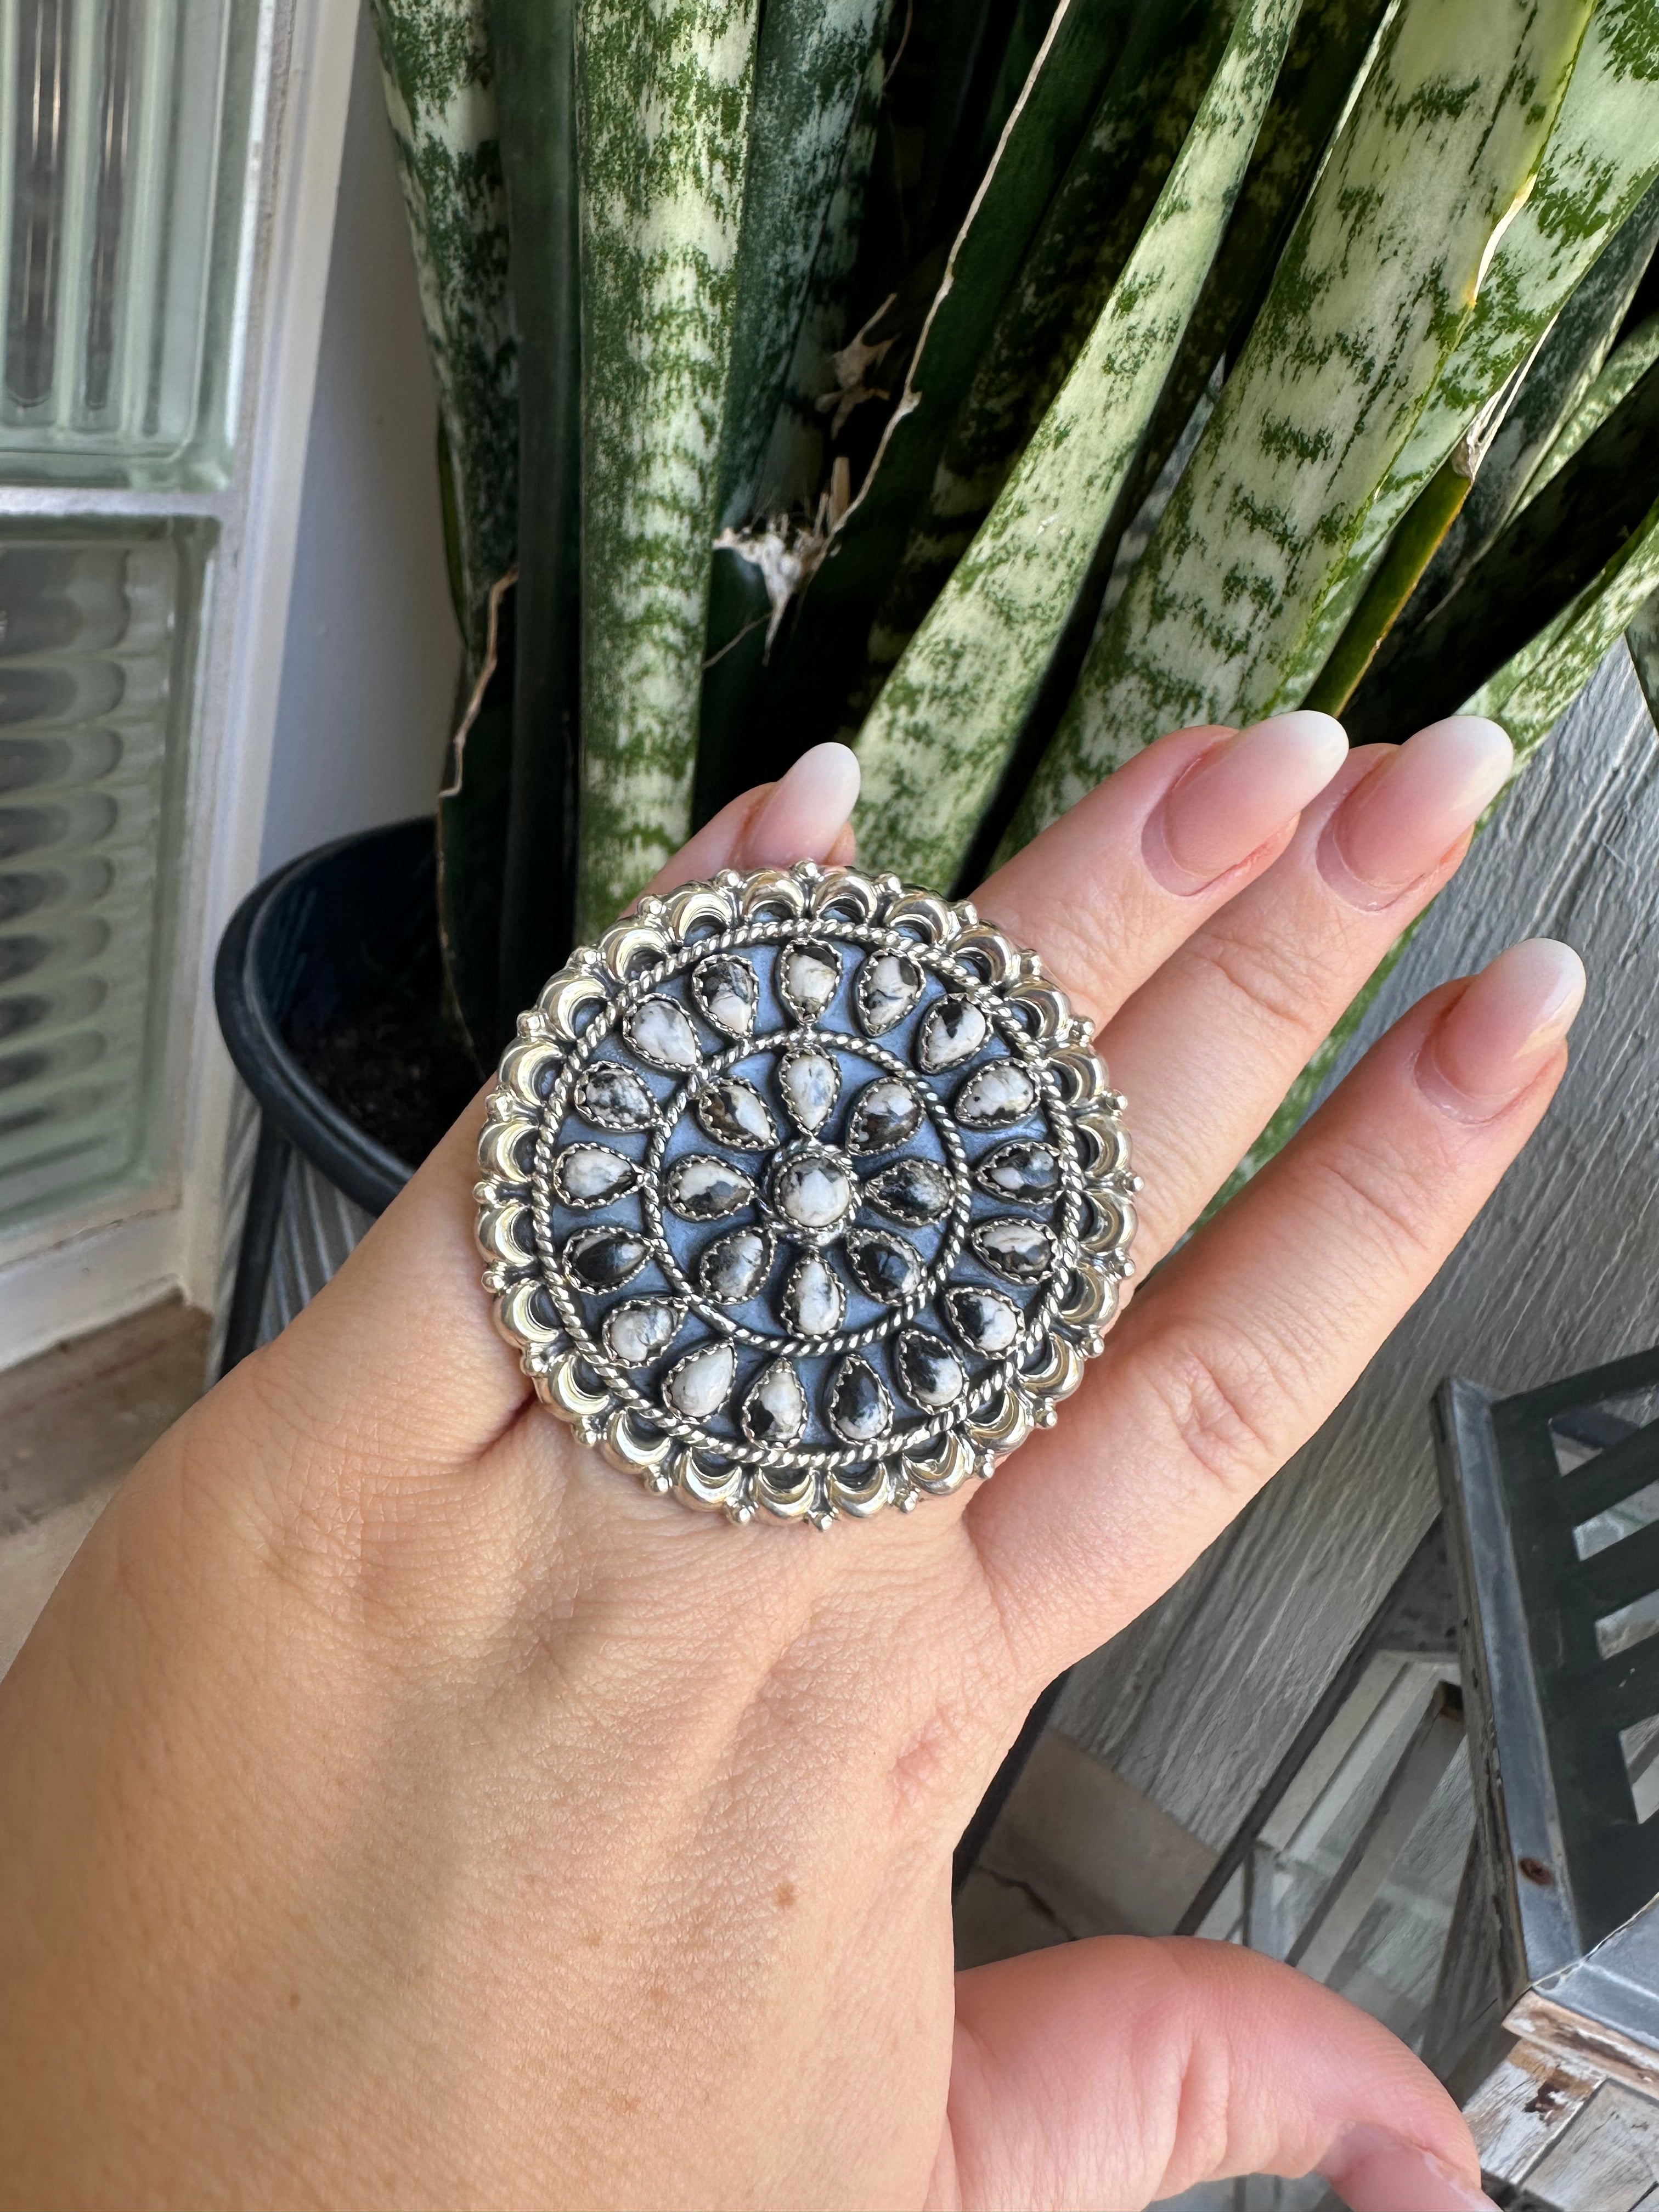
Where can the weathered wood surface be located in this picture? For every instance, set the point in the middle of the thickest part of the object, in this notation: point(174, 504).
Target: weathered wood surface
point(1197, 1701)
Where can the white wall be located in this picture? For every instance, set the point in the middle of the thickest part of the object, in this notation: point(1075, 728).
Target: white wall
point(369, 665)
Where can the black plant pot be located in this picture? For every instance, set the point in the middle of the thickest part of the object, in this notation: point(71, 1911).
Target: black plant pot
point(343, 930)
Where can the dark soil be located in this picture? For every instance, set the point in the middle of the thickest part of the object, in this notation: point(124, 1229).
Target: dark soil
point(399, 1069)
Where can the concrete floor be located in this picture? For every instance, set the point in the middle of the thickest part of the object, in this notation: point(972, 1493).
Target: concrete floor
point(72, 1422)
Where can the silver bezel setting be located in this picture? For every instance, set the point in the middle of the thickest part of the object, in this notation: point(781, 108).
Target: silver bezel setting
point(530, 1227)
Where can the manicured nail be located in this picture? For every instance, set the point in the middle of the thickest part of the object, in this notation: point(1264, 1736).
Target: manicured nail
point(1238, 796)
point(1372, 2171)
point(1397, 826)
point(1492, 1041)
point(806, 811)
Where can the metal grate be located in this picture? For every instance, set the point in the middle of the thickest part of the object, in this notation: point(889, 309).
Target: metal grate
point(119, 122)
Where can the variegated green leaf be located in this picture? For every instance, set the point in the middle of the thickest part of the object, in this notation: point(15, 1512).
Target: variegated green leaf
point(1374, 287)
point(1624, 370)
point(534, 45)
point(939, 737)
point(812, 58)
point(1549, 553)
point(1642, 637)
point(1541, 682)
point(1458, 515)
point(662, 105)
point(1601, 155)
point(1077, 253)
point(436, 67)
point(814, 672)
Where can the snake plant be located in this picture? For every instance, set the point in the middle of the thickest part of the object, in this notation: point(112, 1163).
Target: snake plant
point(997, 383)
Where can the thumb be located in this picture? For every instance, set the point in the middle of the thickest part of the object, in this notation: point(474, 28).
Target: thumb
point(1110, 2073)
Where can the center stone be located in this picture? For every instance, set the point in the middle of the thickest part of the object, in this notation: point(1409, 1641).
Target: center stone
point(814, 1191)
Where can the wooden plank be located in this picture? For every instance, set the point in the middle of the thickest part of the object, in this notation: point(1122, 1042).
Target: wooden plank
point(1606, 2161)
point(1196, 1701)
point(1523, 2107)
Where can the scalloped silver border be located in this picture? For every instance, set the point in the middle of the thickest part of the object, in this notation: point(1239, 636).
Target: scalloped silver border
point(771, 903)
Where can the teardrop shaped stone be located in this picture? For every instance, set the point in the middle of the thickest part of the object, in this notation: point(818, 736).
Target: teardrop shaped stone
point(915, 1191)
point(952, 1033)
point(813, 1192)
point(809, 976)
point(703, 1188)
point(734, 1266)
point(661, 1032)
point(887, 1112)
point(889, 986)
point(814, 1301)
point(775, 1411)
point(930, 1371)
point(733, 1113)
point(984, 1320)
point(588, 1175)
point(698, 1385)
point(728, 992)
point(885, 1265)
point(860, 1408)
point(993, 1096)
point(612, 1098)
point(1020, 1171)
point(811, 1083)
point(639, 1330)
point(1018, 1250)
point(604, 1258)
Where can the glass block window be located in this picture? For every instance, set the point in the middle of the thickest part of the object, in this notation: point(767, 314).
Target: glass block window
point(124, 129)
point(97, 640)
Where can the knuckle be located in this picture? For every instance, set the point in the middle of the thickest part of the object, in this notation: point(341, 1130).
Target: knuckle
point(1224, 1403)
point(1281, 985)
point(1380, 1200)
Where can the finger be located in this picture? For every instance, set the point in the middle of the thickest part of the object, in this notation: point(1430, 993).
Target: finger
point(806, 816)
point(399, 1352)
point(1206, 1052)
point(1118, 2070)
point(1248, 1338)
point(1108, 892)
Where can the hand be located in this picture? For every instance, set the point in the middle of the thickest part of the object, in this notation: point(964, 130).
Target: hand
point(399, 1807)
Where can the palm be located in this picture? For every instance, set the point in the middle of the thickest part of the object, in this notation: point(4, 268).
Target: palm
point(518, 1826)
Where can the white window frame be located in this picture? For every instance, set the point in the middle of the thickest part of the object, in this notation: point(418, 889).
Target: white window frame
point(79, 1271)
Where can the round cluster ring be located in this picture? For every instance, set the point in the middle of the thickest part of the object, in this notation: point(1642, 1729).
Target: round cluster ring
point(804, 1194)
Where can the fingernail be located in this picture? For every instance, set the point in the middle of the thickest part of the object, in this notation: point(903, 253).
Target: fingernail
point(1395, 827)
point(806, 811)
point(1372, 2171)
point(1492, 1041)
point(1235, 799)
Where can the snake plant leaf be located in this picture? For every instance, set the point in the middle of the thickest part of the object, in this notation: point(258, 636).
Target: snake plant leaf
point(1537, 686)
point(812, 60)
point(741, 616)
point(1077, 253)
point(534, 46)
point(441, 99)
point(1457, 516)
point(663, 96)
point(936, 745)
point(1542, 560)
point(472, 819)
point(1624, 369)
point(1328, 58)
point(1555, 388)
point(1642, 637)
point(812, 672)
point(1368, 302)
point(1602, 157)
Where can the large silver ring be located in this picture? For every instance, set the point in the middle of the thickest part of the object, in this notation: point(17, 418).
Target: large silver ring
point(804, 1194)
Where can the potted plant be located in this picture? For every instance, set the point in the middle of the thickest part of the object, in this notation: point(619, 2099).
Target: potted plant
point(996, 383)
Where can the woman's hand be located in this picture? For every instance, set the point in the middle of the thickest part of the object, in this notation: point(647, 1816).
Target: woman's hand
point(398, 1808)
